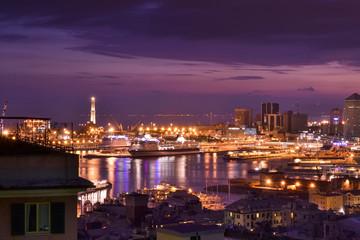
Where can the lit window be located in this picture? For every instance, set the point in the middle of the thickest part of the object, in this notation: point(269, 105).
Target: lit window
point(37, 217)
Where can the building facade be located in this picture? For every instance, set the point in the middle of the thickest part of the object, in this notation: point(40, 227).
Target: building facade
point(252, 212)
point(299, 122)
point(38, 193)
point(352, 116)
point(270, 116)
point(336, 119)
point(243, 117)
point(327, 201)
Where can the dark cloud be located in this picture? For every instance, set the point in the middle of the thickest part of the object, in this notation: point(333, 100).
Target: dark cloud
point(108, 76)
point(310, 89)
point(181, 74)
point(211, 71)
point(241, 78)
point(273, 70)
point(102, 50)
point(266, 32)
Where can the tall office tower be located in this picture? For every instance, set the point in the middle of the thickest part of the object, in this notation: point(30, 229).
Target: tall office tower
point(92, 111)
point(243, 117)
point(352, 116)
point(299, 122)
point(336, 118)
point(287, 121)
point(269, 108)
point(270, 116)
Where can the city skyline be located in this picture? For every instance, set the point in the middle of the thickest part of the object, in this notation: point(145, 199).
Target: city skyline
point(176, 57)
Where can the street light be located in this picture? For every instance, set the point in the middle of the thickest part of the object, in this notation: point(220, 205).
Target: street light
point(268, 181)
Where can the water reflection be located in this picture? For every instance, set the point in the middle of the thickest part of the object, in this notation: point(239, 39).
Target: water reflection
point(186, 171)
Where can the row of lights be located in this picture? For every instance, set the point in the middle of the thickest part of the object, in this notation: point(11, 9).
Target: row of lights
point(168, 129)
point(283, 183)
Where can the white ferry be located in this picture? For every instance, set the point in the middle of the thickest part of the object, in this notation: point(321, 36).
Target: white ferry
point(115, 142)
point(151, 147)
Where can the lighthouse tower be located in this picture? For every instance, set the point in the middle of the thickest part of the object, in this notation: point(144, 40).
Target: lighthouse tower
point(92, 111)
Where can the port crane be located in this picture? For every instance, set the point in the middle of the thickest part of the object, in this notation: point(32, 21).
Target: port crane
point(133, 127)
point(117, 124)
point(3, 115)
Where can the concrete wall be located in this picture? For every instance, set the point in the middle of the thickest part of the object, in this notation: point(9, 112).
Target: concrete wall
point(70, 218)
point(38, 167)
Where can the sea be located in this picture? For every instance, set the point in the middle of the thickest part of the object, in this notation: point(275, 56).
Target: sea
point(193, 172)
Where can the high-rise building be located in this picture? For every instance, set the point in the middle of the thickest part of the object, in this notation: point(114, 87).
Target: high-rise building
point(269, 108)
point(352, 116)
point(336, 118)
point(287, 121)
point(270, 116)
point(243, 117)
point(273, 121)
point(92, 111)
point(294, 123)
point(299, 122)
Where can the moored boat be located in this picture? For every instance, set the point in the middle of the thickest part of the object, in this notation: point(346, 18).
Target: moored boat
point(152, 147)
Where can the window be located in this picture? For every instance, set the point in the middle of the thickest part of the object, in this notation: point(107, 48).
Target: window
point(37, 217)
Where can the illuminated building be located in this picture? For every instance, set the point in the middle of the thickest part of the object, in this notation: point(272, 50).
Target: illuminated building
point(243, 117)
point(327, 201)
point(352, 198)
point(352, 201)
point(325, 127)
point(38, 192)
point(92, 111)
point(269, 108)
point(336, 118)
point(352, 116)
point(270, 116)
point(249, 212)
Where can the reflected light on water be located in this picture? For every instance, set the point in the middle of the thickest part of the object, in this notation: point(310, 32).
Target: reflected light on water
point(186, 171)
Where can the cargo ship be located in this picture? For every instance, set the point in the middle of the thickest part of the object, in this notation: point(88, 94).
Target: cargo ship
point(152, 147)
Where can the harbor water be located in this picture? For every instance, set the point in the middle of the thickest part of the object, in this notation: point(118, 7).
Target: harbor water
point(185, 171)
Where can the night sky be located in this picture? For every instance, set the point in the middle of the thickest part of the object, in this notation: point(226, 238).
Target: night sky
point(176, 56)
